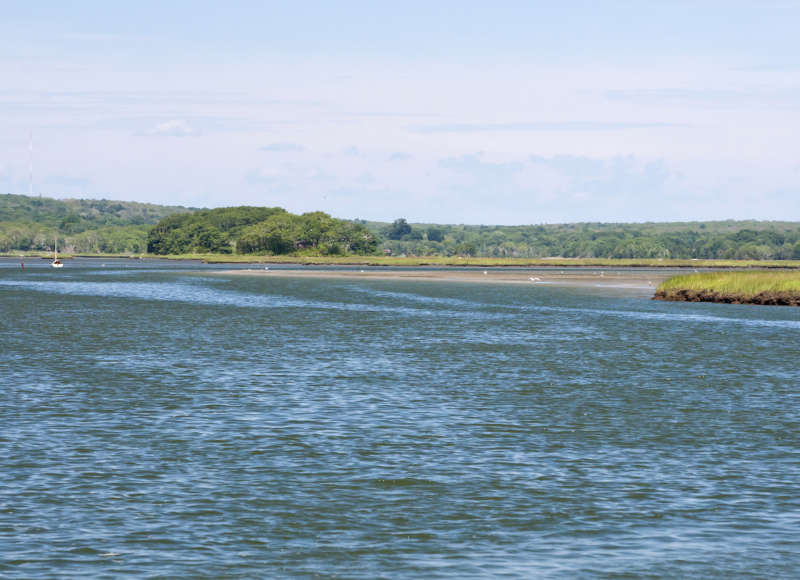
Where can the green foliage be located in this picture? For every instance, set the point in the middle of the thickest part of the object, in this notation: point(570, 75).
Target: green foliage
point(251, 230)
point(82, 225)
point(98, 226)
point(727, 240)
point(72, 216)
point(211, 230)
point(110, 240)
point(275, 235)
point(435, 234)
point(398, 230)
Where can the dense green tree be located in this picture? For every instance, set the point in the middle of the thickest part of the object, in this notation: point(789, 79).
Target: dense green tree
point(278, 234)
point(259, 231)
point(398, 230)
point(435, 234)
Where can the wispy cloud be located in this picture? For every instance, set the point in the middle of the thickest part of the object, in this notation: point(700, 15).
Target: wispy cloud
point(400, 156)
point(560, 188)
point(541, 126)
point(283, 148)
point(172, 128)
point(710, 96)
point(770, 67)
point(474, 163)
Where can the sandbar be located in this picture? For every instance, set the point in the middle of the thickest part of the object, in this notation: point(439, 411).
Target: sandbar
point(633, 279)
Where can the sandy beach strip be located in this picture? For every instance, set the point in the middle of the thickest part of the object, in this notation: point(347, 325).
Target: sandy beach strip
point(602, 278)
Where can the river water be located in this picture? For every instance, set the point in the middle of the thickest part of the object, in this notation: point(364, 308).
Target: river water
point(162, 420)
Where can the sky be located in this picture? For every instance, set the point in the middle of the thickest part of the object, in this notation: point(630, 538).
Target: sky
point(452, 112)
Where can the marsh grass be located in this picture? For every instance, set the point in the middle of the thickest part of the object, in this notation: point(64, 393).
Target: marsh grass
point(411, 261)
point(483, 262)
point(745, 284)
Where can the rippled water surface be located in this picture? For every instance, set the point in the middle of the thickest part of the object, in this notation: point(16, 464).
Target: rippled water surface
point(166, 420)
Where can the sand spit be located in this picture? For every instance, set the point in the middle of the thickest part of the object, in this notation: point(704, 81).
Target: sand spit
point(610, 279)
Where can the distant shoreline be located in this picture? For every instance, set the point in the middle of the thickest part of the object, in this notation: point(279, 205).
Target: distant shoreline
point(433, 261)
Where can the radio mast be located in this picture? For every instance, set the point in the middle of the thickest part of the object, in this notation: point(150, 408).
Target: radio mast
point(30, 163)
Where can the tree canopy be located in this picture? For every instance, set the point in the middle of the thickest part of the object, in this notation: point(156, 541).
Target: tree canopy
point(104, 226)
point(254, 230)
point(751, 240)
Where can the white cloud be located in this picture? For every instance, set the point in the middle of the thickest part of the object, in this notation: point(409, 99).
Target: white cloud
point(535, 126)
point(172, 128)
point(352, 151)
point(283, 148)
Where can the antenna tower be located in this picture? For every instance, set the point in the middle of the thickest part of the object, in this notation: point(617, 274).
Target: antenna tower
point(30, 163)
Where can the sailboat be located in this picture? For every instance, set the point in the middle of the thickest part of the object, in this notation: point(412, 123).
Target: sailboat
point(56, 263)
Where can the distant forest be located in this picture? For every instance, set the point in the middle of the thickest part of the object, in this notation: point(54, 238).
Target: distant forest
point(91, 226)
point(117, 227)
point(746, 240)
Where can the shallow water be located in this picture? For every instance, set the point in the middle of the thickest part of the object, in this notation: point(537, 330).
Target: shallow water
point(165, 420)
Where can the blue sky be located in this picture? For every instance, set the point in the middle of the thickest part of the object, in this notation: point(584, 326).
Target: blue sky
point(459, 112)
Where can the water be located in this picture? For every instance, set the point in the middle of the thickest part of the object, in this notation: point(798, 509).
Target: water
point(160, 420)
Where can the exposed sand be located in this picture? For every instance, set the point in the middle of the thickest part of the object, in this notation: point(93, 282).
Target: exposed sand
point(606, 278)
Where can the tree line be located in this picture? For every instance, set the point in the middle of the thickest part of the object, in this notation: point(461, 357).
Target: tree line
point(750, 240)
point(117, 227)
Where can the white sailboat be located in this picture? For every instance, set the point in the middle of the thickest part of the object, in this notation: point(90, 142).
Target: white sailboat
point(56, 263)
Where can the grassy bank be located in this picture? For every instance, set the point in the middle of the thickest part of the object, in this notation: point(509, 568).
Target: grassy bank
point(736, 287)
point(437, 261)
point(485, 262)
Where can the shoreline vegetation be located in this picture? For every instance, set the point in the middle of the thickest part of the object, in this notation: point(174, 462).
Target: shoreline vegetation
point(247, 233)
point(435, 261)
point(733, 287)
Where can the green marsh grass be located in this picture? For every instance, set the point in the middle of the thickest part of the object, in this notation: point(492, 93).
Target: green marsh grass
point(483, 262)
point(738, 286)
point(745, 284)
point(411, 261)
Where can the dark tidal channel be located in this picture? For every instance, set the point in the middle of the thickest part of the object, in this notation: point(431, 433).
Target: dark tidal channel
point(158, 420)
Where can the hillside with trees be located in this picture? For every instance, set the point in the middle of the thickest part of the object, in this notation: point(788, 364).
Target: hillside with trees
point(259, 230)
point(118, 227)
point(82, 225)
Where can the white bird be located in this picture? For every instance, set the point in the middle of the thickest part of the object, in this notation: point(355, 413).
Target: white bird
point(485, 272)
point(534, 279)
